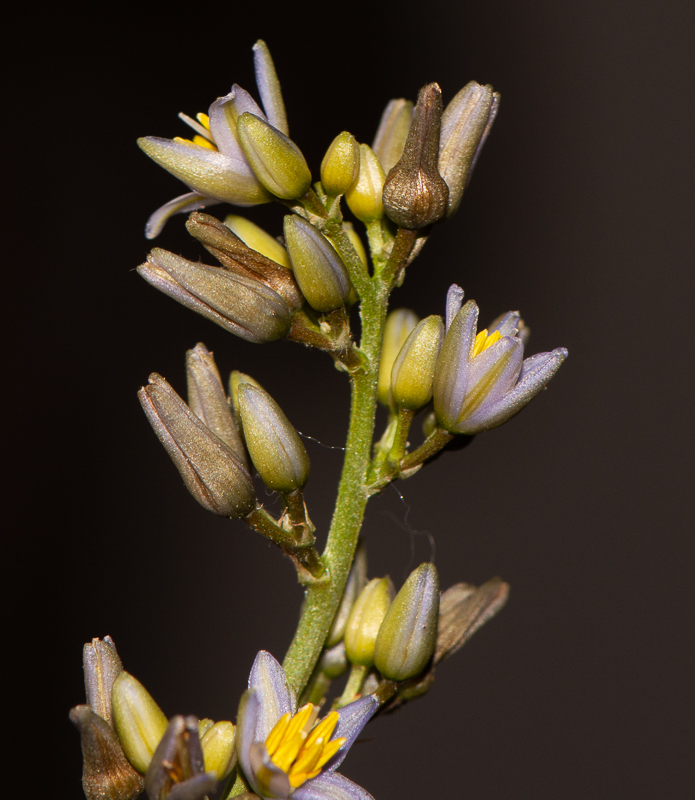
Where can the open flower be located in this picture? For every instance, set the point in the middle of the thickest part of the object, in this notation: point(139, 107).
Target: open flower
point(482, 379)
point(213, 164)
point(284, 751)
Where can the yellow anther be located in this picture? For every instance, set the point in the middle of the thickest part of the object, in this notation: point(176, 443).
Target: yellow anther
point(324, 729)
point(276, 735)
point(204, 120)
point(483, 341)
point(201, 141)
point(329, 750)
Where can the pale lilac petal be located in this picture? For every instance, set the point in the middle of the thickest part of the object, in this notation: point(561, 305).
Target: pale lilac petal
point(197, 788)
point(224, 114)
point(492, 374)
point(507, 324)
point(274, 695)
point(532, 380)
point(267, 778)
point(269, 87)
point(451, 375)
point(192, 201)
point(492, 114)
point(454, 301)
point(331, 786)
point(247, 722)
point(352, 719)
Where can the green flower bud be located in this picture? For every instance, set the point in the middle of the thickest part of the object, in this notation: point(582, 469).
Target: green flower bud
point(275, 448)
point(138, 720)
point(242, 305)
point(365, 198)
point(365, 620)
point(408, 634)
point(415, 194)
point(333, 662)
point(355, 583)
point(101, 668)
point(429, 424)
point(106, 772)
point(413, 371)
point(399, 324)
point(240, 259)
point(318, 268)
point(275, 159)
point(356, 242)
point(340, 165)
point(204, 726)
point(218, 749)
point(211, 470)
point(257, 239)
point(392, 132)
point(235, 380)
point(207, 400)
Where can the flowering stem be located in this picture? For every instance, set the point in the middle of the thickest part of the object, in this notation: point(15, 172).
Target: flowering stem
point(431, 446)
point(353, 686)
point(322, 598)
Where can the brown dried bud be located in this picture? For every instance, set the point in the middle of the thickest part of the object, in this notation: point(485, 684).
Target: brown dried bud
point(415, 194)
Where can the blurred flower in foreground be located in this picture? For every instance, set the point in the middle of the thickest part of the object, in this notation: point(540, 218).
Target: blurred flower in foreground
point(283, 752)
point(483, 380)
point(213, 164)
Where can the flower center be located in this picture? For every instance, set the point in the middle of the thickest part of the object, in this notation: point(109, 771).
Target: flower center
point(203, 138)
point(299, 747)
point(484, 340)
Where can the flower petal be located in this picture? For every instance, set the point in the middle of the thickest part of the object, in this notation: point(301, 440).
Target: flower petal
point(454, 301)
point(532, 379)
point(331, 786)
point(451, 376)
point(247, 721)
point(351, 719)
point(506, 324)
point(269, 87)
point(268, 779)
point(274, 695)
point(224, 114)
point(191, 201)
point(194, 788)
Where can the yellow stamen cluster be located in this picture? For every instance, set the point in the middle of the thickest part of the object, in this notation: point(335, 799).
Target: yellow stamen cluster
point(484, 340)
point(201, 141)
point(301, 749)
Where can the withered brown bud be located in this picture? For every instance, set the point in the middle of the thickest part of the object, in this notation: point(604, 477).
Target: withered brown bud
point(415, 194)
point(106, 772)
point(238, 257)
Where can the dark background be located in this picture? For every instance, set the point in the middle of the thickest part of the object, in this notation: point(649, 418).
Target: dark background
point(580, 214)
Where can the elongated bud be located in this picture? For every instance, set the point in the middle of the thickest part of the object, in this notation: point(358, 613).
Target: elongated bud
point(269, 86)
point(334, 662)
point(106, 772)
point(340, 165)
point(399, 324)
point(415, 194)
point(244, 306)
point(392, 132)
point(408, 634)
point(139, 722)
point(413, 370)
point(275, 448)
point(240, 259)
point(275, 159)
point(355, 583)
point(365, 620)
point(319, 270)
point(365, 198)
point(258, 239)
point(235, 380)
point(466, 123)
point(101, 668)
point(463, 609)
point(219, 751)
point(204, 726)
point(207, 400)
point(211, 470)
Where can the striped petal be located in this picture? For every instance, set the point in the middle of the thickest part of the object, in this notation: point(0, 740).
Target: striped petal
point(269, 87)
point(352, 719)
point(275, 697)
point(331, 786)
point(192, 201)
point(451, 376)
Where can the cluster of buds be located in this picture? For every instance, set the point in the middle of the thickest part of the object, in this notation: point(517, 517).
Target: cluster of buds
point(128, 744)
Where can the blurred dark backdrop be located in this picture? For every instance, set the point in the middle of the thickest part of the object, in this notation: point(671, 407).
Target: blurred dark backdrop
point(580, 214)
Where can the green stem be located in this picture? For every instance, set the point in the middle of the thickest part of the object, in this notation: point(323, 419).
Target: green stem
point(353, 686)
point(322, 599)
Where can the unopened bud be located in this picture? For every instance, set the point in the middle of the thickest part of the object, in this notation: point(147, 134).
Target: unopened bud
point(257, 239)
point(463, 609)
point(392, 132)
point(204, 726)
point(340, 165)
point(207, 400)
point(413, 370)
point(275, 448)
point(101, 668)
point(275, 159)
point(365, 198)
point(138, 720)
point(106, 772)
point(355, 583)
point(415, 194)
point(365, 620)
point(211, 470)
point(318, 268)
point(235, 380)
point(218, 749)
point(399, 324)
point(466, 123)
point(244, 306)
point(408, 634)
point(333, 662)
point(356, 242)
point(240, 259)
